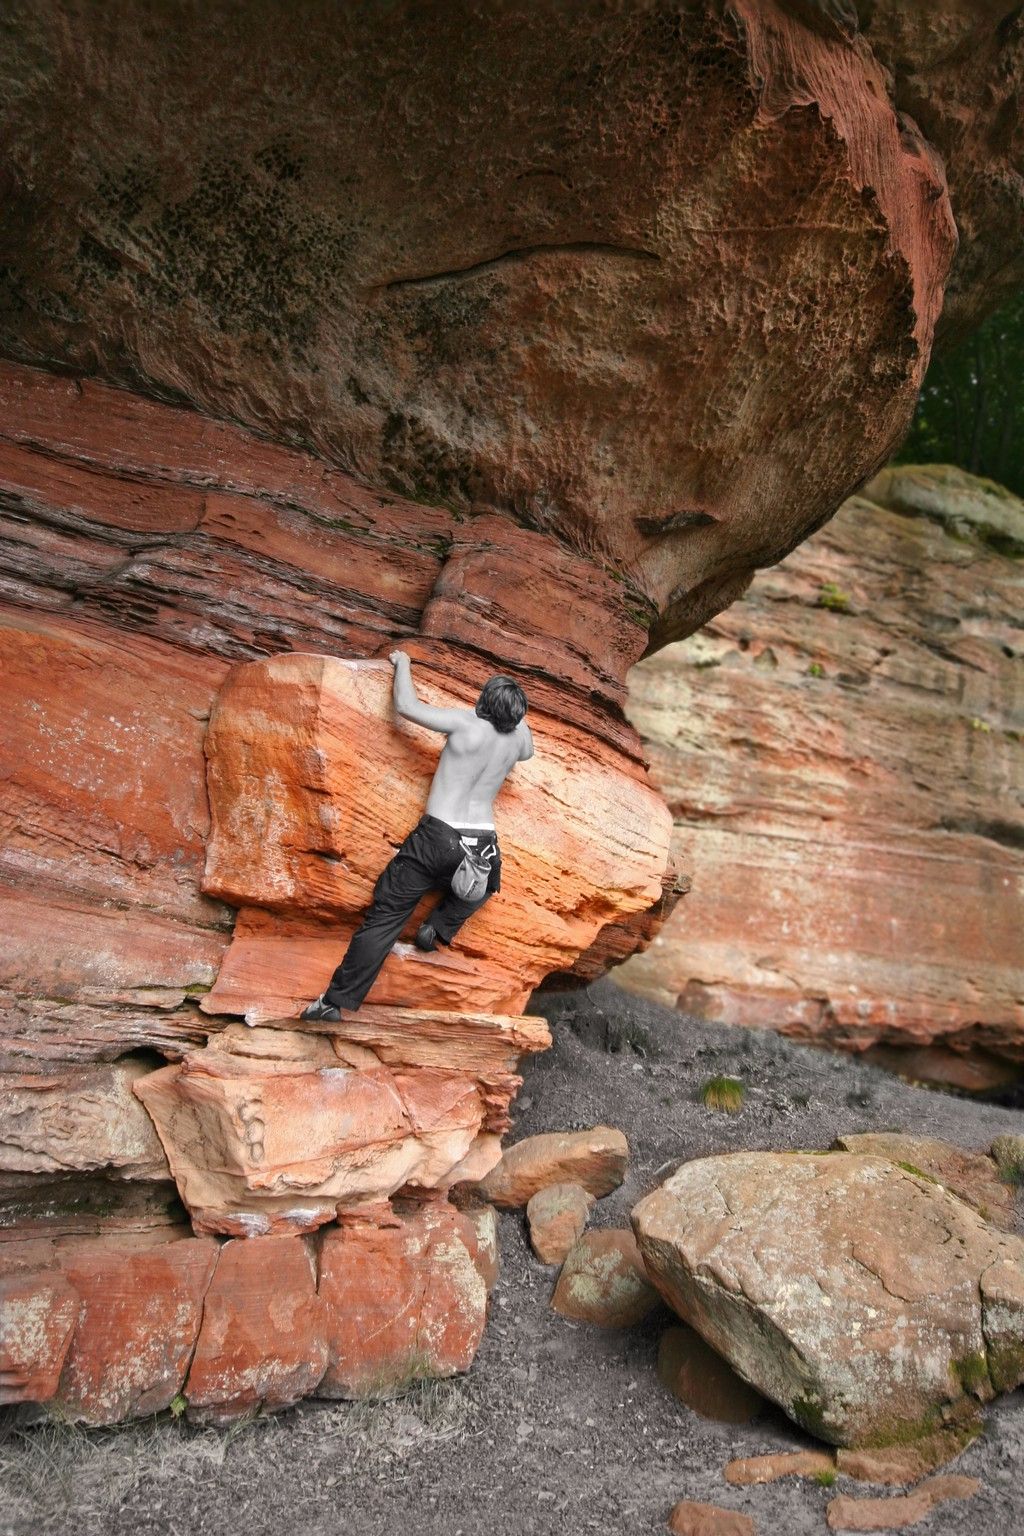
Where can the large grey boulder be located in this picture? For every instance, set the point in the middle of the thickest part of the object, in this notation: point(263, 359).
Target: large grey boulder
point(869, 1302)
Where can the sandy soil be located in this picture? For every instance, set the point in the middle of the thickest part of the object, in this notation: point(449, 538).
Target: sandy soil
point(559, 1427)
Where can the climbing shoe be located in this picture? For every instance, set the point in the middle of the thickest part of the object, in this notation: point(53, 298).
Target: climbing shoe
point(426, 936)
point(321, 1011)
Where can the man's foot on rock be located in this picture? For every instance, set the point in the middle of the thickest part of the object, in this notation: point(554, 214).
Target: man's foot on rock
point(426, 936)
point(321, 1011)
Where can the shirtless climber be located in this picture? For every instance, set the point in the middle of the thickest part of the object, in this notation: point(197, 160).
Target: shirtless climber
point(483, 744)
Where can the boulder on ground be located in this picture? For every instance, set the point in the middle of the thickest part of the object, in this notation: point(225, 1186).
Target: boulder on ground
point(603, 1281)
point(869, 1302)
point(849, 1513)
point(595, 1159)
point(698, 1376)
point(557, 1215)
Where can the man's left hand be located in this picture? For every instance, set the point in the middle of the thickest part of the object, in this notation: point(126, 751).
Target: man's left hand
point(397, 657)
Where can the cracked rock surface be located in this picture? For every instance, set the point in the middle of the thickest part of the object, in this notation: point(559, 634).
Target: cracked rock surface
point(869, 1302)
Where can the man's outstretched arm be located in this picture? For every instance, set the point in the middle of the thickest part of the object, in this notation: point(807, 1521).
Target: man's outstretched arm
point(411, 707)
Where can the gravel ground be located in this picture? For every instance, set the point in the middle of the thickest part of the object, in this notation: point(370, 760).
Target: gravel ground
point(559, 1427)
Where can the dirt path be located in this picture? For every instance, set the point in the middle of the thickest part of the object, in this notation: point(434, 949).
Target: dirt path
point(558, 1428)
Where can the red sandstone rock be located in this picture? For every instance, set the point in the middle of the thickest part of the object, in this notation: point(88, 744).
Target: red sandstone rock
point(972, 1176)
point(311, 727)
point(603, 1281)
point(768, 1469)
point(744, 172)
point(141, 1311)
point(81, 1118)
point(692, 1519)
point(866, 1300)
point(101, 768)
point(848, 1513)
point(851, 882)
point(698, 1376)
point(595, 1159)
point(262, 1343)
point(401, 1302)
point(557, 1215)
point(38, 1313)
point(276, 1130)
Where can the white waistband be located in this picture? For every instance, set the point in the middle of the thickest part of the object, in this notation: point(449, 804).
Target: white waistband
point(473, 826)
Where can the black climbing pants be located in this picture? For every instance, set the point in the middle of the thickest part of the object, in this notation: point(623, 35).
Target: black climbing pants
point(426, 861)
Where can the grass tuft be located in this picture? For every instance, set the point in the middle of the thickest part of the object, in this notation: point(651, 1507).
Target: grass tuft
point(724, 1093)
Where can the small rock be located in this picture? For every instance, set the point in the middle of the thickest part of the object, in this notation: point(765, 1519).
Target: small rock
point(848, 1513)
point(699, 1377)
point(908, 1463)
point(768, 1469)
point(596, 1159)
point(691, 1519)
point(603, 1281)
point(557, 1216)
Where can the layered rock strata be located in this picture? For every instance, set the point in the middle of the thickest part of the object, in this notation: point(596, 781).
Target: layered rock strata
point(521, 383)
point(457, 262)
point(121, 1326)
point(116, 889)
point(842, 755)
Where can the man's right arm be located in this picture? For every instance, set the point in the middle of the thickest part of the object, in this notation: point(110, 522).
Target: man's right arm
point(526, 741)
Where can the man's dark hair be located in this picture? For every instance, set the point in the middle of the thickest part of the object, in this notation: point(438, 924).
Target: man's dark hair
point(503, 703)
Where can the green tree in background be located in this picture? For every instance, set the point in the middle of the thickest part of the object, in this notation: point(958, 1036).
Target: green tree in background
point(971, 408)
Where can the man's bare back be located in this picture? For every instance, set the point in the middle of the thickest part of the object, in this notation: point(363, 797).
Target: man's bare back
point(476, 758)
point(483, 744)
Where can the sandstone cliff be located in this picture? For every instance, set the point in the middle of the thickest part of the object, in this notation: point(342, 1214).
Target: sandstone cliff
point(520, 346)
point(842, 755)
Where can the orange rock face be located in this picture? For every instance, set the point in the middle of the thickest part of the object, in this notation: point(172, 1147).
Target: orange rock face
point(750, 211)
point(262, 1342)
point(841, 752)
point(278, 1130)
point(307, 846)
point(547, 413)
point(403, 1301)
